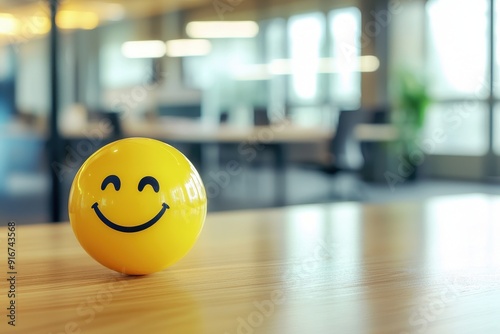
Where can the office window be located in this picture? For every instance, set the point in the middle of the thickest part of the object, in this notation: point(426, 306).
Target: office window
point(345, 30)
point(195, 72)
point(275, 35)
point(305, 38)
point(219, 73)
point(458, 47)
point(234, 56)
point(497, 49)
point(119, 72)
point(496, 128)
point(456, 128)
point(457, 44)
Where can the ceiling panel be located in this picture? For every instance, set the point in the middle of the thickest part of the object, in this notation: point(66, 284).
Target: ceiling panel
point(131, 8)
point(28, 13)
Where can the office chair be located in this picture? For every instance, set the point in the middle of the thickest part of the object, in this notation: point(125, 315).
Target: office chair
point(345, 149)
point(344, 157)
point(114, 121)
point(375, 152)
point(260, 116)
point(223, 117)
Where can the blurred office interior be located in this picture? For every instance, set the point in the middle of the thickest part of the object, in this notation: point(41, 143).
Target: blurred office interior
point(260, 86)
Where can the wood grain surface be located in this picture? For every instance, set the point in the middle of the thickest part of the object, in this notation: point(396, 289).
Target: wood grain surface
point(430, 267)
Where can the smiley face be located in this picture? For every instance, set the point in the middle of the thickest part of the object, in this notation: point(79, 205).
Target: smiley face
point(137, 205)
point(115, 180)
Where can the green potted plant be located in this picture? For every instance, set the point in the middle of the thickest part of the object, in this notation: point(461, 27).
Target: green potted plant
point(411, 102)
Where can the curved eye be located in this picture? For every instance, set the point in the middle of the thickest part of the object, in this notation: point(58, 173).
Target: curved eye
point(151, 181)
point(115, 180)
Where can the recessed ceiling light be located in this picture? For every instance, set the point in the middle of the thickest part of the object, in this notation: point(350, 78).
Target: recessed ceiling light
point(8, 24)
point(68, 19)
point(222, 29)
point(188, 47)
point(144, 49)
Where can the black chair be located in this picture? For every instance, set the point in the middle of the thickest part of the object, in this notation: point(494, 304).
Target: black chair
point(223, 117)
point(260, 116)
point(345, 149)
point(113, 118)
point(375, 152)
point(344, 158)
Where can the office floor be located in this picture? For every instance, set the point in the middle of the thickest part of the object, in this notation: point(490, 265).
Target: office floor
point(255, 189)
point(24, 197)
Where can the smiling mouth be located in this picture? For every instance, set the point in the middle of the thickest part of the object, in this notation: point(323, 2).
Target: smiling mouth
point(129, 229)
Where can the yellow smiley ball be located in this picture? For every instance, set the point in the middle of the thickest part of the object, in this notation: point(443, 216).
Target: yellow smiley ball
point(137, 206)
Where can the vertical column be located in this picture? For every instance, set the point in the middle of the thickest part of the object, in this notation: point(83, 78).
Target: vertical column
point(490, 169)
point(376, 17)
point(54, 135)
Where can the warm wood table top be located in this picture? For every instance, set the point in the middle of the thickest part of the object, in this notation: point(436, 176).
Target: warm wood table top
point(431, 267)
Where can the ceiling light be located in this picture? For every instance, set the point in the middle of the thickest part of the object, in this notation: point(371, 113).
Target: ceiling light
point(188, 47)
point(280, 67)
point(287, 67)
point(368, 63)
point(67, 19)
point(144, 49)
point(8, 24)
point(327, 65)
point(222, 29)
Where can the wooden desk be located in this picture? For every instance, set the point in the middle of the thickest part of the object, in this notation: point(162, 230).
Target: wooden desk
point(430, 267)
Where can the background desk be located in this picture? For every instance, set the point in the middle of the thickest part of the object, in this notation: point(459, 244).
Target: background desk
point(203, 138)
point(248, 143)
point(432, 268)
